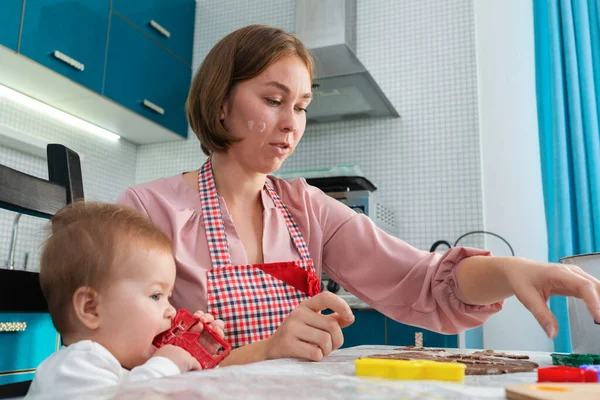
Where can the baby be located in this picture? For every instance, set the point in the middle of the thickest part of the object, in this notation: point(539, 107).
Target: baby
point(107, 274)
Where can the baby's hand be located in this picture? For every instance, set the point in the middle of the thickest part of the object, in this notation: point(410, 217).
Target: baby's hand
point(216, 325)
point(182, 358)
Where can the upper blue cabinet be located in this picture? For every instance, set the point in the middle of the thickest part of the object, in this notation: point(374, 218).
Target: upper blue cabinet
point(169, 22)
point(123, 65)
point(144, 77)
point(10, 19)
point(68, 37)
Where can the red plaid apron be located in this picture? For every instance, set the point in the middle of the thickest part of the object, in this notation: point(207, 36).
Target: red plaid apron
point(253, 300)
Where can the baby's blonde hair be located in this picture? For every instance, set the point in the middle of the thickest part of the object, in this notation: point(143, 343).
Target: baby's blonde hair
point(87, 242)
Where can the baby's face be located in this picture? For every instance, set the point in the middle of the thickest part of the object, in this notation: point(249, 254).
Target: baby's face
point(135, 308)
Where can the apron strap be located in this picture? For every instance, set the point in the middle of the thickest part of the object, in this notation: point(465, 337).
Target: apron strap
point(213, 220)
point(292, 227)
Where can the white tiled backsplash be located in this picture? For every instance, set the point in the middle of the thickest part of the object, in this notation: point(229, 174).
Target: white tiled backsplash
point(426, 164)
point(107, 169)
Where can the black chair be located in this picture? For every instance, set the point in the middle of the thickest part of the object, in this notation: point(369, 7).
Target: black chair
point(20, 290)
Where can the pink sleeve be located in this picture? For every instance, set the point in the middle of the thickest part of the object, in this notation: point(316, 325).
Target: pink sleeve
point(409, 285)
point(130, 198)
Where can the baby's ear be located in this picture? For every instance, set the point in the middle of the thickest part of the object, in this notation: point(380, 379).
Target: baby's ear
point(85, 303)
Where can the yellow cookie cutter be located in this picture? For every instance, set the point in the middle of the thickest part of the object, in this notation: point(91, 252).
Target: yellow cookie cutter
point(410, 370)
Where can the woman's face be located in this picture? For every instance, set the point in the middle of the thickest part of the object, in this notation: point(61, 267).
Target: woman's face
point(269, 113)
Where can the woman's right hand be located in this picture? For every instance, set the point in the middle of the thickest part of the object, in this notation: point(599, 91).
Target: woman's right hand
point(306, 333)
point(182, 358)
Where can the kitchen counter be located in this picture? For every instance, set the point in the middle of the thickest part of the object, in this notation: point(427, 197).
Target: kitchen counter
point(354, 302)
point(332, 378)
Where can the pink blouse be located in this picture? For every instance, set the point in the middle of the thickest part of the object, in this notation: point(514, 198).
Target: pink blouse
point(407, 284)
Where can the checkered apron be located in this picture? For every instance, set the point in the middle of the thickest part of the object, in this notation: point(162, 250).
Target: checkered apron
point(252, 303)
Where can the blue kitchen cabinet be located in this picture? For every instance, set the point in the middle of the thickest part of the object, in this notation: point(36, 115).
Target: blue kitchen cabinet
point(16, 377)
point(169, 22)
point(399, 334)
point(10, 22)
point(368, 328)
point(68, 37)
point(146, 78)
point(23, 350)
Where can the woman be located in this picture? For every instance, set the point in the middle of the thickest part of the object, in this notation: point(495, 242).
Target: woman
point(249, 246)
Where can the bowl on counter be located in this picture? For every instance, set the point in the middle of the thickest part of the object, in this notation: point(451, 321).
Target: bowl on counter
point(585, 333)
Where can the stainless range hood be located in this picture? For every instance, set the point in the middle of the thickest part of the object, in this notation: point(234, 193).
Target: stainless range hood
point(346, 90)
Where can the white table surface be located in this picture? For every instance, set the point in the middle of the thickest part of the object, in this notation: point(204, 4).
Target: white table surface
point(332, 378)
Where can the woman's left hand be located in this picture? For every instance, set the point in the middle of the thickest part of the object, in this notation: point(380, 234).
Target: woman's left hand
point(217, 325)
point(534, 282)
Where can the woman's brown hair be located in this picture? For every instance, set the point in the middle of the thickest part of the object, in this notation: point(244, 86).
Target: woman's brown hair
point(239, 56)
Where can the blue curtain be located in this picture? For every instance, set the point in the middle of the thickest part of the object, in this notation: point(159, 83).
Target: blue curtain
point(567, 56)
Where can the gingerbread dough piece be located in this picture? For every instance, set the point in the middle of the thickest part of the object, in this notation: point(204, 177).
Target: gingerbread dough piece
point(492, 353)
point(478, 363)
point(413, 348)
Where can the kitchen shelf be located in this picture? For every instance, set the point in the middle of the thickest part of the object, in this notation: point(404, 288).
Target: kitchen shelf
point(25, 143)
point(19, 141)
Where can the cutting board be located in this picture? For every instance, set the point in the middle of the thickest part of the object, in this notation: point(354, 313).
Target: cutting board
point(554, 391)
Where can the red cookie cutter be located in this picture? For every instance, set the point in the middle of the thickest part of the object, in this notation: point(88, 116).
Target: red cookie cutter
point(207, 346)
point(566, 374)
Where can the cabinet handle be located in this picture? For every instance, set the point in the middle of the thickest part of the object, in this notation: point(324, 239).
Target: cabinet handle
point(13, 326)
point(68, 60)
point(160, 28)
point(154, 107)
